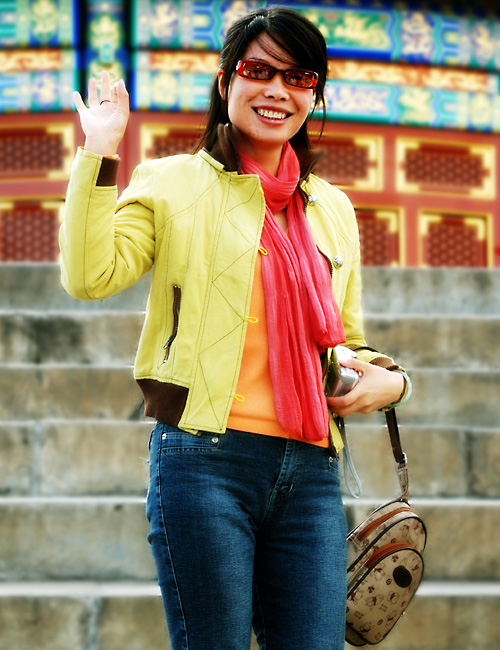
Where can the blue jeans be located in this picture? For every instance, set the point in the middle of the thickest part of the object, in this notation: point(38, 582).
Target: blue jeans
point(247, 530)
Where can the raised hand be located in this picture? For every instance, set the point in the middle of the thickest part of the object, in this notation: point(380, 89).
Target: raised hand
point(105, 120)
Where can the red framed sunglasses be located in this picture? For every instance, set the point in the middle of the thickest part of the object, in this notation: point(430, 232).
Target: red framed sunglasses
point(258, 71)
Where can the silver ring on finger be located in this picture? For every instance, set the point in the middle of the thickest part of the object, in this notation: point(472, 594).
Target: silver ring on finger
point(104, 100)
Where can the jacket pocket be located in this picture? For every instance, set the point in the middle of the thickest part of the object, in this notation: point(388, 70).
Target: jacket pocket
point(176, 307)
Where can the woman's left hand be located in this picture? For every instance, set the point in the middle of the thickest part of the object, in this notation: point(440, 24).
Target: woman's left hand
point(377, 387)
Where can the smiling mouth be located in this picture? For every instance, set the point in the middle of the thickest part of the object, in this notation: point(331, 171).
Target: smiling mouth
point(271, 115)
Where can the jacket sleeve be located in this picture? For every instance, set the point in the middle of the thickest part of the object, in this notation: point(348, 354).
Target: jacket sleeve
point(105, 246)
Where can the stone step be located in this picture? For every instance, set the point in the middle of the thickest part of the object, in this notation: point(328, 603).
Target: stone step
point(82, 616)
point(35, 286)
point(104, 538)
point(79, 337)
point(109, 458)
point(457, 529)
point(454, 398)
point(74, 458)
point(443, 461)
point(436, 341)
point(386, 290)
point(110, 336)
point(86, 538)
point(449, 616)
point(68, 391)
point(125, 616)
point(460, 531)
point(459, 291)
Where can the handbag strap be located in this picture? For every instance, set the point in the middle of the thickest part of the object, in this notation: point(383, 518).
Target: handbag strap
point(398, 453)
point(397, 450)
point(349, 468)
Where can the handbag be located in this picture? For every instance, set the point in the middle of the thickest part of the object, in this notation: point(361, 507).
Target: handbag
point(385, 564)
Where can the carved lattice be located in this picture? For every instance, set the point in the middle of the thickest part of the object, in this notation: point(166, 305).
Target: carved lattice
point(173, 143)
point(29, 233)
point(444, 167)
point(453, 241)
point(31, 152)
point(379, 243)
point(344, 161)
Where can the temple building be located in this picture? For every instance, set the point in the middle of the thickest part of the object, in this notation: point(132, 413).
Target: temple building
point(412, 129)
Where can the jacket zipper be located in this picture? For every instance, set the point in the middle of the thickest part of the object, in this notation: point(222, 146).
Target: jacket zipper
point(176, 305)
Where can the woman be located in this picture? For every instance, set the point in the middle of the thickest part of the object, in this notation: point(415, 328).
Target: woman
point(244, 503)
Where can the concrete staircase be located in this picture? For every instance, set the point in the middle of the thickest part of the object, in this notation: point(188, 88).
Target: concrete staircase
point(75, 566)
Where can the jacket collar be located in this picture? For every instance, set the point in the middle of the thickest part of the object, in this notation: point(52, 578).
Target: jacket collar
point(225, 152)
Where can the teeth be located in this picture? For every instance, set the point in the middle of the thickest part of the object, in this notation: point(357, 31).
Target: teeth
point(273, 115)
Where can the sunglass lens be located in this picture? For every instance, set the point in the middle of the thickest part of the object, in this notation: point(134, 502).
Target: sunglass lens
point(299, 78)
point(256, 70)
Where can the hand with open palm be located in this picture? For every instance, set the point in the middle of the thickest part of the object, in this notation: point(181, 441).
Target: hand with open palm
point(105, 120)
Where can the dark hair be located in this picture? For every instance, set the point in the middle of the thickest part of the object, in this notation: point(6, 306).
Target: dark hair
point(294, 34)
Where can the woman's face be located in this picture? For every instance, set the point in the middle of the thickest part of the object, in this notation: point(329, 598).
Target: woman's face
point(266, 114)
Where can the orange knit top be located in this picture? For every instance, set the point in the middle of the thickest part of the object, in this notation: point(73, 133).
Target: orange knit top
point(253, 408)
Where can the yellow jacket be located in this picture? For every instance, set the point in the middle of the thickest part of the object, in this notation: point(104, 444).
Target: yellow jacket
point(198, 225)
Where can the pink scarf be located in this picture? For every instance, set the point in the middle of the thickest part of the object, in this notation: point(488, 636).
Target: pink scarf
point(303, 318)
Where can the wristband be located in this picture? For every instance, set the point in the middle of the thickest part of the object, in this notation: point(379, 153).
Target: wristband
point(405, 395)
